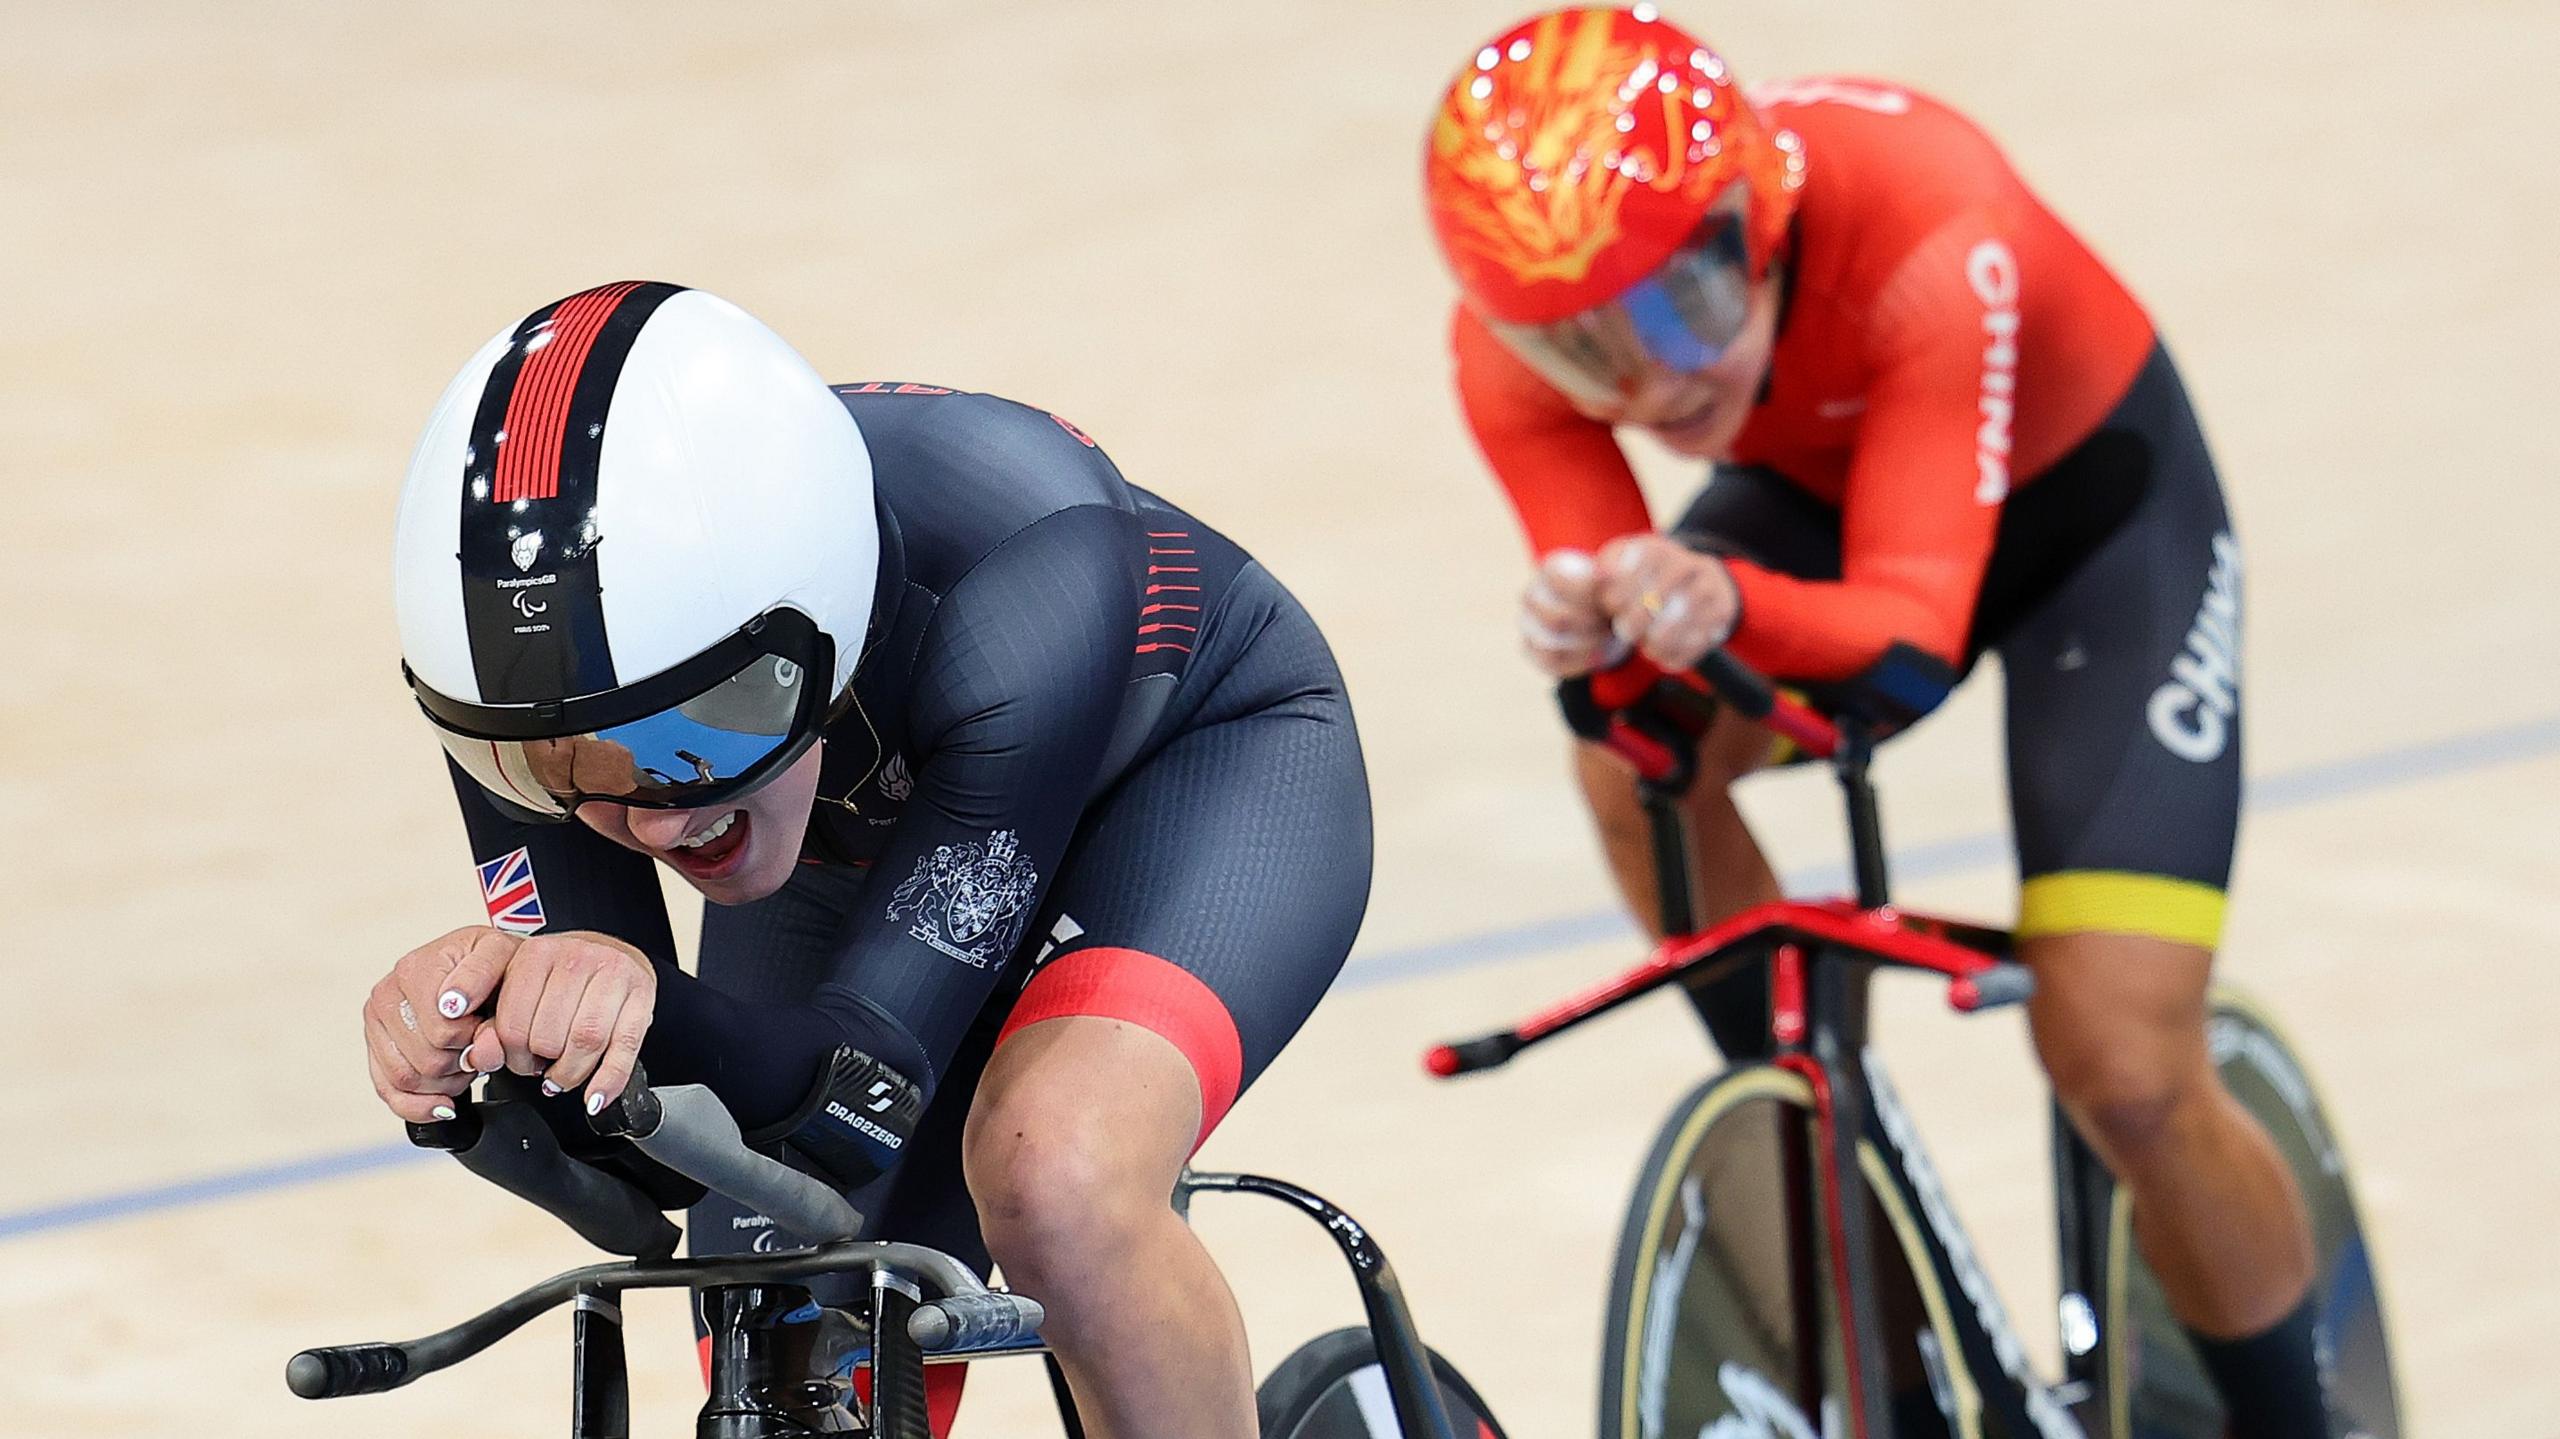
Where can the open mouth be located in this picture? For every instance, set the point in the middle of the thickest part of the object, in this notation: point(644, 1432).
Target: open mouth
point(713, 850)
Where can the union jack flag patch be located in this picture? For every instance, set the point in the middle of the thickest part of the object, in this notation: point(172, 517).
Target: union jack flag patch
point(507, 887)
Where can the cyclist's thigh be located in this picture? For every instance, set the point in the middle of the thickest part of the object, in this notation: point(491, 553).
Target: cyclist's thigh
point(1213, 893)
point(2123, 706)
point(1754, 513)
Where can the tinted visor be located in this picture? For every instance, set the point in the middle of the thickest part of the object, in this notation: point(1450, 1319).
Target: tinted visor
point(1674, 323)
point(738, 720)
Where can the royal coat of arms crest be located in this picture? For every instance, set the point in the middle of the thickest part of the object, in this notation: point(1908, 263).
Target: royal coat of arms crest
point(969, 901)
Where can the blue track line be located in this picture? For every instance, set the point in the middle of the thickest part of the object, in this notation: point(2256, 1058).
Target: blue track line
point(2292, 789)
point(188, 1193)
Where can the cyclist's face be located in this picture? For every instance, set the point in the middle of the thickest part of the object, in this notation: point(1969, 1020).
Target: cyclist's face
point(1699, 414)
point(753, 841)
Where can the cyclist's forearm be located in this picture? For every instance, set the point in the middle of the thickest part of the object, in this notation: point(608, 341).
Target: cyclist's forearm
point(1828, 630)
point(763, 1059)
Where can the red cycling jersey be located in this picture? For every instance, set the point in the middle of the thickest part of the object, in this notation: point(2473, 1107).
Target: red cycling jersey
point(1945, 340)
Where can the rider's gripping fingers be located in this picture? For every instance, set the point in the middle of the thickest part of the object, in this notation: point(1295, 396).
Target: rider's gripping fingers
point(622, 1047)
point(413, 1096)
point(1560, 591)
point(1674, 639)
point(1696, 613)
point(585, 1029)
point(392, 1021)
point(1560, 653)
point(529, 972)
point(391, 1070)
point(573, 975)
point(1630, 591)
point(1666, 600)
point(1619, 568)
point(484, 1054)
point(1568, 577)
point(590, 982)
point(1696, 610)
point(1562, 626)
point(423, 978)
point(475, 974)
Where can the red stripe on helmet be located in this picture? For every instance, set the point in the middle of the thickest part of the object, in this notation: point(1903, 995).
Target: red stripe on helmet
point(538, 407)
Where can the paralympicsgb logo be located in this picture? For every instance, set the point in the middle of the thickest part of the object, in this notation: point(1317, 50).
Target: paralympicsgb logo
point(969, 901)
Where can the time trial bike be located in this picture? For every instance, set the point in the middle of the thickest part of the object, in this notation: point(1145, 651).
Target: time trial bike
point(779, 1363)
point(1791, 1263)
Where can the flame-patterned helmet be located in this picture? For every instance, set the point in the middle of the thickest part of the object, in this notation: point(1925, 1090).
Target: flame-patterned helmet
point(1582, 149)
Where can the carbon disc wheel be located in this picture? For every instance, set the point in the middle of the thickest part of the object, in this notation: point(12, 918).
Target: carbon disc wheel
point(1334, 1388)
point(2167, 1394)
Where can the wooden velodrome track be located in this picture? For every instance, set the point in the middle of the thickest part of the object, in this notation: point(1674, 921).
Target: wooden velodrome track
point(246, 244)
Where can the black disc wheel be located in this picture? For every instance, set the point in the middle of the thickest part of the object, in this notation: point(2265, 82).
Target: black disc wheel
point(1718, 1320)
point(1334, 1388)
point(2165, 1391)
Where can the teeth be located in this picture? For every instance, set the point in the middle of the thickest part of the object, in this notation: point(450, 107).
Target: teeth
point(697, 841)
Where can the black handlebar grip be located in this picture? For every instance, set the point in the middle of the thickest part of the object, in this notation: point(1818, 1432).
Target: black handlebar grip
point(2003, 984)
point(974, 1321)
point(1469, 1055)
point(1741, 686)
point(635, 1113)
point(1582, 712)
point(347, 1369)
point(518, 1152)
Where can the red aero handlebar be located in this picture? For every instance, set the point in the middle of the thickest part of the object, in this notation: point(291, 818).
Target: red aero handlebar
point(1624, 686)
point(1975, 980)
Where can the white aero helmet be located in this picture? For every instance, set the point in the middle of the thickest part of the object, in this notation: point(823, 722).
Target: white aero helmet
point(635, 554)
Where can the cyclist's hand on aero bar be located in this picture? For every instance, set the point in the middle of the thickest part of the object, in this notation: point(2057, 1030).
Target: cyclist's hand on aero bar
point(1664, 600)
point(416, 1023)
point(571, 1009)
point(1561, 622)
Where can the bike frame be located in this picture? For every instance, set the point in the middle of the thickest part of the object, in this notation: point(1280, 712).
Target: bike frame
point(1822, 956)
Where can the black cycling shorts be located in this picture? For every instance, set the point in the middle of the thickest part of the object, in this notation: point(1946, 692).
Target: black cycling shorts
point(2112, 599)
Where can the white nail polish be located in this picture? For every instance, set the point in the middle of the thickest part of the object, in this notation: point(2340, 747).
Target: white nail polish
point(451, 1004)
point(444, 1111)
point(1572, 564)
point(549, 1088)
point(595, 1104)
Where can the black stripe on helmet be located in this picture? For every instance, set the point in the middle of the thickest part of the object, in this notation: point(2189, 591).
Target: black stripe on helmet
point(533, 607)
